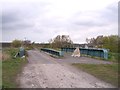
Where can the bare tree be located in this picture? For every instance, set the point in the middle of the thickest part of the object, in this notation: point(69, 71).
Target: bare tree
point(61, 41)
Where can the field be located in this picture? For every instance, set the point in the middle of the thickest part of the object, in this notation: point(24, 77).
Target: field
point(0, 69)
point(105, 72)
point(114, 57)
point(0, 55)
point(11, 67)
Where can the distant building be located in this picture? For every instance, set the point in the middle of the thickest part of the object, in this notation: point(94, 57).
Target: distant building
point(5, 44)
point(26, 42)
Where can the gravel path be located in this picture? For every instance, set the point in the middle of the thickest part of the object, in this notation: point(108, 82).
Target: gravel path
point(43, 72)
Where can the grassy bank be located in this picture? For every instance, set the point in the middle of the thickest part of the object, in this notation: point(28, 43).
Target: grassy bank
point(107, 73)
point(114, 57)
point(11, 67)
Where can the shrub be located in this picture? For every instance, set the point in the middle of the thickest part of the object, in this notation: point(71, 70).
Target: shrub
point(16, 43)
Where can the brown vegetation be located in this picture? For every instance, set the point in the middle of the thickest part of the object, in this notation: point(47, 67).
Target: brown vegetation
point(0, 55)
point(4, 56)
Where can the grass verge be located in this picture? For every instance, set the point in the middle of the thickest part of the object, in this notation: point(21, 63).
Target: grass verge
point(11, 68)
point(105, 72)
point(114, 57)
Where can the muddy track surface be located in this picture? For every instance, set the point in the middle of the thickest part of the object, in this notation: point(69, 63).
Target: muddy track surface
point(43, 71)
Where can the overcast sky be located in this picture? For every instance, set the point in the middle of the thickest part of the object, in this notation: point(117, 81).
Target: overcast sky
point(41, 20)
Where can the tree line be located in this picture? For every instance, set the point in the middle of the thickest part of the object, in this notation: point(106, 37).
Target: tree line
point(61, 41)
point(111, 42)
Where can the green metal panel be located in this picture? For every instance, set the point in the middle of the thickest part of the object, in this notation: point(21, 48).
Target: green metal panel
point(52, 51)
point(102, 53)
point(21, 51)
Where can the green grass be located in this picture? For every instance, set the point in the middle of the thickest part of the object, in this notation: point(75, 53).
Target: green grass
point(0, 74)
point(95, 57)
point(11, 68)
point(114, 57)
point(105, 72)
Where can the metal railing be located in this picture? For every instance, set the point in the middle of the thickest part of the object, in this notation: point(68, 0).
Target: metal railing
point(102, 53)
point(52, 51)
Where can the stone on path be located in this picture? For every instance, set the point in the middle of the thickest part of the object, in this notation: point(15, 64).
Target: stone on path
point(76, 53)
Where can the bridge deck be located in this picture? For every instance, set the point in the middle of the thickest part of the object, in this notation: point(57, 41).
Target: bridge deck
point(43, 58)
point(69, 59)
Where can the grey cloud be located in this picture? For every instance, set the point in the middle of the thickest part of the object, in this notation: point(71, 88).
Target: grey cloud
point(89, 23)
point(97, 18)
point(53, 23)
point(22, 16)
point(17, 26)
point(110, 14)
point(9, 17)
point(11, 20)
point(38, 22)
point(119, 10)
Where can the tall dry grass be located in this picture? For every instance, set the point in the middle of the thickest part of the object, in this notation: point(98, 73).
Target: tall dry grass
point(4, 56)
point(0, 55)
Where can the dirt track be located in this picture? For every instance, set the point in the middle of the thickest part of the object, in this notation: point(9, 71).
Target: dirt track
point(43, 71)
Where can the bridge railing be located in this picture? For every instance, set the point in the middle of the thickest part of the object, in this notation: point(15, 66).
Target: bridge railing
point(52, 51)
point(102, 53)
